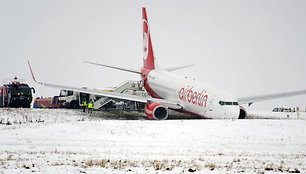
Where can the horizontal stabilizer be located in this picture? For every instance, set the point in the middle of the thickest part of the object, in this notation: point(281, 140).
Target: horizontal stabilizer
point(115, 67)
point(178, 67)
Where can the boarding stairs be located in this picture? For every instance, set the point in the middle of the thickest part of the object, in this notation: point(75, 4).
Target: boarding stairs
point(122, 88)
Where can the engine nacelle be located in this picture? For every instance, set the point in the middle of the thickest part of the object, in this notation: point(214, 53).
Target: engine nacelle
point(242, 113)
point(155, 111)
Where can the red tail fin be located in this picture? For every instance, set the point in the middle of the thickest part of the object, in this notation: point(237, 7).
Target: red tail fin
point(148, 55)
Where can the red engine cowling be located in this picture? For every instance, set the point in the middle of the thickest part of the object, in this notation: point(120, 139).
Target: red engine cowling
point(155, 111)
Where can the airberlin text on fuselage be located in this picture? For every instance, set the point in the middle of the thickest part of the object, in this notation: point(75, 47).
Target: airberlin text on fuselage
point(193, 97)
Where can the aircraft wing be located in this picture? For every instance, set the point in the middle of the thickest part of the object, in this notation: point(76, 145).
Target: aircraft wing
point(169, 104)
point(250, 100)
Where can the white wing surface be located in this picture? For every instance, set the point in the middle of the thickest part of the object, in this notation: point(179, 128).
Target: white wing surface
point(169, 104)
point(252, 99)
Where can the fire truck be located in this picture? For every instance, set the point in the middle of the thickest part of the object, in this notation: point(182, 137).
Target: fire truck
point(16, 94)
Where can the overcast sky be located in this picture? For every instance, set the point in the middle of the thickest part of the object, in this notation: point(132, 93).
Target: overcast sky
point(245, 47)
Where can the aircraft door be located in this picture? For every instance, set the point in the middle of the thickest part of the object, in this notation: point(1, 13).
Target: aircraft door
point(211, 103)
point(210, 107)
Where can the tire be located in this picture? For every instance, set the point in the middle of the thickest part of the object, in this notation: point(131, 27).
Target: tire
point(74, 105)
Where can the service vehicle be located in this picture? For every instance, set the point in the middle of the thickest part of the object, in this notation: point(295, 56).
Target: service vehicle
point(16, 94)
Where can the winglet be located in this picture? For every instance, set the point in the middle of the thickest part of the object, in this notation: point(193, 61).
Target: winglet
point(33, 77)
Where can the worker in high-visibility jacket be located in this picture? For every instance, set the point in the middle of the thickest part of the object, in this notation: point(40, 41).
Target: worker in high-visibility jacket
point(84, 105)
point(90, 107)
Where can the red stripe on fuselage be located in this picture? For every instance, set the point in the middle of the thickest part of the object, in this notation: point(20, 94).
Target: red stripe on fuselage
point(145, 75)
point(191, 113)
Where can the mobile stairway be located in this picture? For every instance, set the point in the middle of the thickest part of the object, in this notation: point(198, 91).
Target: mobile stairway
point(130, 87)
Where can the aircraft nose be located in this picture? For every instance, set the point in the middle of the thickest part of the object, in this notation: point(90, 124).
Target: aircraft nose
point(229, 110)
point(234, 112)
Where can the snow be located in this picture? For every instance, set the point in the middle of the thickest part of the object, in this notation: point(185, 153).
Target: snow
point(277, 115)
point(70, 141)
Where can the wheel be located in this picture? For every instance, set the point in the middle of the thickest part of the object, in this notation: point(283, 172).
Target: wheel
point(74, 105)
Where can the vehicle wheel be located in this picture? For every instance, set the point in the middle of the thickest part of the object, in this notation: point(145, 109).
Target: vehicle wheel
point(74, 105)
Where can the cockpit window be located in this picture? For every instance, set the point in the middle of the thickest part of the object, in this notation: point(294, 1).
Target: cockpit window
point(227, 103)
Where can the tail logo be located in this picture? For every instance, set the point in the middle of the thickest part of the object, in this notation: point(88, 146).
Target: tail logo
point(145, 39)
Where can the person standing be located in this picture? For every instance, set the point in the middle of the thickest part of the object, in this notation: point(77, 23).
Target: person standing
point(90, 107)
point(84, 105)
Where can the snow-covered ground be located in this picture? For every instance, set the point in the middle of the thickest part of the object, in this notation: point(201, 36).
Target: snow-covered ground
point(69, 141)
point(276, 115)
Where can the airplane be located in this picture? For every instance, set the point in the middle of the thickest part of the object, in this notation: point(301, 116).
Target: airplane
point(168, 91)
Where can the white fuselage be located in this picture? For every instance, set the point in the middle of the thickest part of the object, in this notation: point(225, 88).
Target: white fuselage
point(195, 97)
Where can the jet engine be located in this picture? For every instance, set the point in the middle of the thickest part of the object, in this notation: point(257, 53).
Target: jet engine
point(155, 111)
point(242, 113)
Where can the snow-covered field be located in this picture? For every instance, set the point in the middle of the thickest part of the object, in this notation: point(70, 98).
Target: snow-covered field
point(67, 141)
